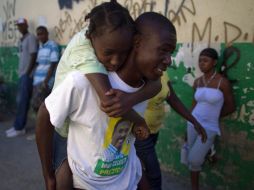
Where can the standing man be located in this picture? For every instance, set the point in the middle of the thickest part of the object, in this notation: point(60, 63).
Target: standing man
point(47, 60)
point(27, 48)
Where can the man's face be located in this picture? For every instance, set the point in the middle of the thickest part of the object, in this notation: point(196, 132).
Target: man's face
point(42, 35)
point(113, 47)
point(120, 133)
point(22, 28)
point(154, 53)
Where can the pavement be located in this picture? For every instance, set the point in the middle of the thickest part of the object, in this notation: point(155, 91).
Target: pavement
point(20, 167)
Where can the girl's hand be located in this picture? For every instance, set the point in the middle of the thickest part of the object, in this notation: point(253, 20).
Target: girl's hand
point(118, 105)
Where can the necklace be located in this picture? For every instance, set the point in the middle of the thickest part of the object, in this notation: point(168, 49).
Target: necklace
point(206, 82)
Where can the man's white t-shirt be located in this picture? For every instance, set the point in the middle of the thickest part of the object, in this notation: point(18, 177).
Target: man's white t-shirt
point(90, 134)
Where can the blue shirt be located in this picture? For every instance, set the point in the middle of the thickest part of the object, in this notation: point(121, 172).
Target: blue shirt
point(48, 54)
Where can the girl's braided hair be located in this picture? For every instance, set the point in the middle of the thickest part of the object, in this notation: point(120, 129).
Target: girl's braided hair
point(108, 15)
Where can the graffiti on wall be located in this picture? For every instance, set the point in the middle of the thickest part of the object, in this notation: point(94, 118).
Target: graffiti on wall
point(68, 4)
point(9, 30)
point(232, 32)
point(136, 8)
point(179, 12)
point(68, 25)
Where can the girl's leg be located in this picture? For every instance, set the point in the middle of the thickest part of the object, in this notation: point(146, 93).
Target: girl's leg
point(63, 172)
point(64, 177)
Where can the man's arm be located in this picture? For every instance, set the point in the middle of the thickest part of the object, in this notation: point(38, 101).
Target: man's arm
point(32, 63)
point(179, 107)
point(50, 73)
point(44, 139)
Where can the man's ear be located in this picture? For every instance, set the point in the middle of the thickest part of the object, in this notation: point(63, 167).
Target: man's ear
point(88, 35)
point(214, 63)
point(136, 41)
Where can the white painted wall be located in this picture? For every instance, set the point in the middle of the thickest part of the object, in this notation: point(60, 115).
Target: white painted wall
point(219, 20)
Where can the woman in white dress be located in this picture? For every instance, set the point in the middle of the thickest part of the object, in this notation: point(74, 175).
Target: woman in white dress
point(213, 98)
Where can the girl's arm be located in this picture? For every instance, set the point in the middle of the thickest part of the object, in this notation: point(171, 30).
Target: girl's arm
point(193, 99)
point(117, 103)
point(229, 103)
point(123, 102)
point(50, 73)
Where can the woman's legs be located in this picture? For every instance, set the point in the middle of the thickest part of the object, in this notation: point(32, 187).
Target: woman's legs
point(195, 180)
point(197, 153)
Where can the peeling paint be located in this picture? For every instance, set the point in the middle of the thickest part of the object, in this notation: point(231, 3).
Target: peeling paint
point(250, 66)
point(188, 54)
point(251, 118)
point(243, 113)
point(217, 173)
point(245, 90)
point(241, 144)
point(250, 103)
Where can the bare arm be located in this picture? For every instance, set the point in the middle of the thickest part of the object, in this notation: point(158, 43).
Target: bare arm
point(32, 63)
point(101, 84)
point(179, 107)
point(194, 103)
point(125, 101)
point(44, 139)
point(150, 89)
point(229, 103)
point(50, 73)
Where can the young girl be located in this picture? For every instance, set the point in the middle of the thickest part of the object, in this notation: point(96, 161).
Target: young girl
point(213, 99)
point(105, 43)
point(102, 47)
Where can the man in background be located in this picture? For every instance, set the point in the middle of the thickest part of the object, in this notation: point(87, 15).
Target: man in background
point(27, 49)
point(47, 60)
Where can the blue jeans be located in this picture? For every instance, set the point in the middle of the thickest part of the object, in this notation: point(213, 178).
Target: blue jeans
point(25, 88)
point(148, 157)
point(59, 150)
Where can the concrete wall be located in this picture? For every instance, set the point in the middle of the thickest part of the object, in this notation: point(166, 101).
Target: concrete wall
point(220, 24)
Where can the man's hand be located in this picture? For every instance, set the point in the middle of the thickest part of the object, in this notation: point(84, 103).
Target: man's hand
point(141, 132)
point(200, 130)
point(118, 105)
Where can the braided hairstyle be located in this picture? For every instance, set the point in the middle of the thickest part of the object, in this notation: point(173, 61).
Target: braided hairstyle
point(108, 15)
